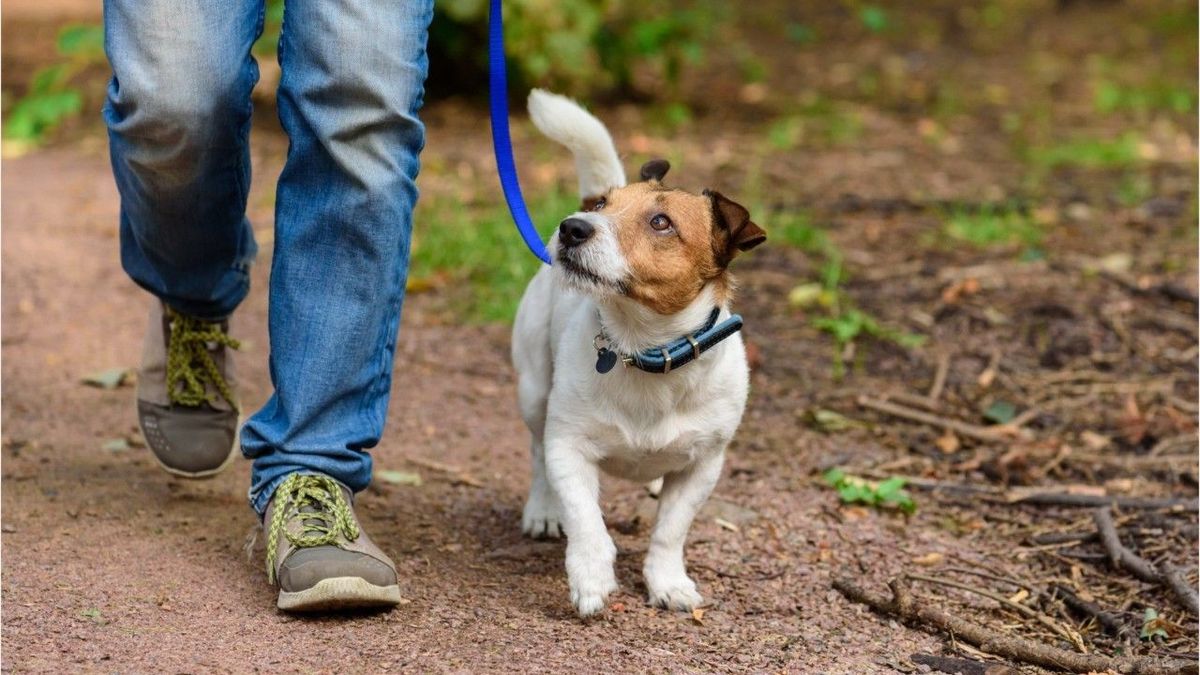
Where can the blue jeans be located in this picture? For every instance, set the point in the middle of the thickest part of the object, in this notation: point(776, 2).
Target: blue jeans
point(178, 114)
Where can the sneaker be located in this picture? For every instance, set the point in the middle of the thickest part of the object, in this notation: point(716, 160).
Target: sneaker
point(318, 554)
point(186, 404)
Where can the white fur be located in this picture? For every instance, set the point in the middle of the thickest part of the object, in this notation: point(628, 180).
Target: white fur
point(629, 423)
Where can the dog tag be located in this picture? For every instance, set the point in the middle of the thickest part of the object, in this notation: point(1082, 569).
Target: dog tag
point(605, 360)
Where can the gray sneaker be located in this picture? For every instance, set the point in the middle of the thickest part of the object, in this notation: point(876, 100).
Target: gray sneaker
point(186, 404)
point(318, 554)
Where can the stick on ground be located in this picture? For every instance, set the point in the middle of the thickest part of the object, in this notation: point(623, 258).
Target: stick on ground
point(1122, 558)
point(1111, 623)
point(901, 605)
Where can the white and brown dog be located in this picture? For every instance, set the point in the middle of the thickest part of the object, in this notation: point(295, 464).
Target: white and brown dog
point(640, 278)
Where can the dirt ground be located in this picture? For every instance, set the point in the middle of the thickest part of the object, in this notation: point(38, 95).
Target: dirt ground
point(111, 565)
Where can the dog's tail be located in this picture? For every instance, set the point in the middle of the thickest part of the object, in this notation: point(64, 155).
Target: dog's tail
point(596, 160)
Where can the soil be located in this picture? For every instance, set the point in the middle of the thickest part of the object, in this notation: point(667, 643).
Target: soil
point(111, 565)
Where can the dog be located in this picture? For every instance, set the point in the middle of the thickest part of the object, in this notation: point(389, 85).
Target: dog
point(628, 359)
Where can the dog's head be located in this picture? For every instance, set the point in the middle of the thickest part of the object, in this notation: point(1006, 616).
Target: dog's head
point(656, 245)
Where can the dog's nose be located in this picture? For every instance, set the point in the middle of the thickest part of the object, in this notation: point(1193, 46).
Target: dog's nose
point(574, 231)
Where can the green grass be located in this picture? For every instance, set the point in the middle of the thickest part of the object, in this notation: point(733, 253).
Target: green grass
point(794, 229)
point(1110, 97)
point(992, 226)
point(476, 250)
point(1089, 153)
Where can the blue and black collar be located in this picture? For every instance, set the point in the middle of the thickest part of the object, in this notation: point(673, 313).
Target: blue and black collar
point(673, 355)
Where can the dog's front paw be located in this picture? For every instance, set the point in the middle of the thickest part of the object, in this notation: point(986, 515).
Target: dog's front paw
point(542, 515)
point(675, 591)
point(590, 573)
point(590, 596)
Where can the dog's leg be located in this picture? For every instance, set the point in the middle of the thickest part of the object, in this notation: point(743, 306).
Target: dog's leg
point(683, 494)
point(590, 551)
point(542, 516)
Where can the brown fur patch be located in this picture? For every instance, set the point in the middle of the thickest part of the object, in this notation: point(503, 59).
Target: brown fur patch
point(668, 270)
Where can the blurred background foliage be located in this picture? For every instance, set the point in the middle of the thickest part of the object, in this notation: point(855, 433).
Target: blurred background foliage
point(1038, 102)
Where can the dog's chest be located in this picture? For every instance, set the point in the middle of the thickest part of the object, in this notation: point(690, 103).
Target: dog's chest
point(644, 439)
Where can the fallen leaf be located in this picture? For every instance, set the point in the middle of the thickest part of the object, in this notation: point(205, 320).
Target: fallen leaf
point(1000, 412)
point(1019, 596)
point(115, 445)
point(728, 511)
point(94, 615)
point(805, 295)
point(948, 443)
point(400, 477)
point(1094, 441)
point(830, 421)
point(929, 559)
point(617, 607)
point(727, 525)
point(698, 616)
point(107, 379)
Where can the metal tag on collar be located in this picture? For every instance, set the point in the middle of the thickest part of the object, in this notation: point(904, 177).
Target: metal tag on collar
point(605, 357)
point(605, 360)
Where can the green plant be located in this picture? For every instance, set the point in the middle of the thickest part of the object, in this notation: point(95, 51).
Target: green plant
point(476, 254)
point(53, 97)
point(581, 46)
point(992, 225)
point(887, 494)
point(1089, 153)
point(843, 321)
point(1110, 97)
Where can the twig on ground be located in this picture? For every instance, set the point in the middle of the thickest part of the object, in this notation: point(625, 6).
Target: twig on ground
point(902, 605)
point(1111, 623)
point(1051, 538)
point(939, 377)
point(745, 577)
point(456, 474)
point(988, 374)
point(1183, 589)
point(1058, 629)
point(1071, 499)
point(950, 664)
point(1122, 558)
point(979, 433)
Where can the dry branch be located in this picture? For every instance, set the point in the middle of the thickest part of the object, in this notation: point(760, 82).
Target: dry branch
point(950, 664)
point(1122, 558)
point(979, 433)
point(1016, 648)
point(1111, 623)
point(1071, 499)
point(1060, 630)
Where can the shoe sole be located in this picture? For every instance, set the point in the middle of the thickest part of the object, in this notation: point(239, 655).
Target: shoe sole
point(339, 593)
point(190, 475)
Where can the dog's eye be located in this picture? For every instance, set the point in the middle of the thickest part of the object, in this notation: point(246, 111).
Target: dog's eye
point(660, 222)
point(600, 203)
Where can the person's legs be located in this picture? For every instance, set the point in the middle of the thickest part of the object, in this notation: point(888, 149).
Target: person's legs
point(353, 80)
point(178, 114)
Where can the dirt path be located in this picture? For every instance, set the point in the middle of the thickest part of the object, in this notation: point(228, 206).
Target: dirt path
point(110, 565)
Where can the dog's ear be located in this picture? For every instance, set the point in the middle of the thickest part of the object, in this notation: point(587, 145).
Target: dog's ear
point(655, 170)
point(733, 230)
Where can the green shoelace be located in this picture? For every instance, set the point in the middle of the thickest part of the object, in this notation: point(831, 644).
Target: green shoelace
point(190, 365)
point(322, 505)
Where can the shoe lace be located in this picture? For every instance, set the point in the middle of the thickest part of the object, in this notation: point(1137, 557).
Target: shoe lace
point(320, 502)
point(190, 365)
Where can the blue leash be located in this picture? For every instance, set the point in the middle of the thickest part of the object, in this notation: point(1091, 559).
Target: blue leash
point(501, 141)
